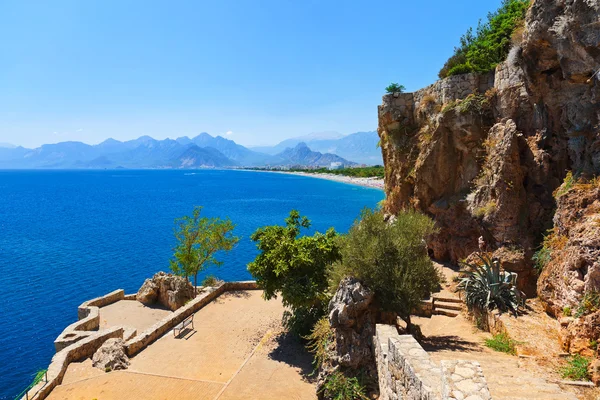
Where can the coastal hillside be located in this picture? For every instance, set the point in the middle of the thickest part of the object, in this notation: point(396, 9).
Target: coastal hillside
point(301, 154)
point(507, 161)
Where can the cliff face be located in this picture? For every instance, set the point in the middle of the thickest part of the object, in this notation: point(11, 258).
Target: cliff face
point(483, 154)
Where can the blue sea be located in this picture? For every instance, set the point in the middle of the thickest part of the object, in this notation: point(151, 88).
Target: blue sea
point(69, 236)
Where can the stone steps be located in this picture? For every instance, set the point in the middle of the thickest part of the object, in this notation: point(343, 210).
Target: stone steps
point(446, 313)
point(446, 299)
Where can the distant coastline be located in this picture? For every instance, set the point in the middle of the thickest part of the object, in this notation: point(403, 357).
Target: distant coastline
point(373, 183)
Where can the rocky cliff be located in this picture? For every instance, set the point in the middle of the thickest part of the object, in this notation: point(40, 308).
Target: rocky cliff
point(483, 153)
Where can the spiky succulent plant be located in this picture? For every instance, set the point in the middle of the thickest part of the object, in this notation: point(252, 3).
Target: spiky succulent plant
point(487, 287)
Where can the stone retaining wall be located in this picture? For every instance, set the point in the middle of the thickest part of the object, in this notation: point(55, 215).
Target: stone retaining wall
point(81, 350)
point(407, 372)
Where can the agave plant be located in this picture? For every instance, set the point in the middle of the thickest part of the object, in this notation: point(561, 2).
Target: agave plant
point(488, 287)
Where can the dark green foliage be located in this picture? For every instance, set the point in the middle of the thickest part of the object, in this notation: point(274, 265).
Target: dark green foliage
point(391, 259)
point(199, 239)
point(296, 267)
point(376, 171)
point(482, 50)
point(340, 387)
point(541, 258)
point(576, 368)
point(395, 88)
point(502, 342)
point(487, 287)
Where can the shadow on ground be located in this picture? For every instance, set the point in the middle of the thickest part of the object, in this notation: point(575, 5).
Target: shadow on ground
point(291, 350)
point(448, 342)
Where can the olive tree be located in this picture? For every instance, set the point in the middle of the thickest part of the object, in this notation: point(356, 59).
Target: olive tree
point(295, 267)
point(390, 258)
point(199, 239)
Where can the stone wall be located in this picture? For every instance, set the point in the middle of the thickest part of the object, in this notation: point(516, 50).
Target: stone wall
point(81, 350)
point(407, 372)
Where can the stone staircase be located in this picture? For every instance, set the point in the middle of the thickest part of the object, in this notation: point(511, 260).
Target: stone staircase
point(446, 305)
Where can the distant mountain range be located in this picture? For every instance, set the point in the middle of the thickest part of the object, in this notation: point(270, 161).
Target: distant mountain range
point(202, 151)
point(360, 147)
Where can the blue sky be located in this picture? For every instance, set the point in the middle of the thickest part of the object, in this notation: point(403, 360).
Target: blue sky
point(261, 71)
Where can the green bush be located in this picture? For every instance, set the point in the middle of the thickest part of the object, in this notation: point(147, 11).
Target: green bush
point(376, 171)
point(576, 368)
point(391, 259)
point(395, 88)
point(590, 303)
point(487, 287)
point(211, 280)
point(502, 342)
point(482, 50)
point(296, 267)
point(340, 387)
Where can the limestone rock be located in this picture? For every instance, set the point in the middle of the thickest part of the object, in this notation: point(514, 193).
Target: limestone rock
point(111, 356)
point(352, 320)
point(169, 290)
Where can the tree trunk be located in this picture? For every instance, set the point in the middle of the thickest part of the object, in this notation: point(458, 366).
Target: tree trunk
point(195, 283)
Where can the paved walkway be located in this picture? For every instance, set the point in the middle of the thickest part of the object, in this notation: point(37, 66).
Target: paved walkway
point(131, 313)
point(236, 351)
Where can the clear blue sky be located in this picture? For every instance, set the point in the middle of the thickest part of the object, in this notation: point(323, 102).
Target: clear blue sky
point(262, 71)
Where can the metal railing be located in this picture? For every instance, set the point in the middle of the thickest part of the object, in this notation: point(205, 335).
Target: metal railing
point(40, 376)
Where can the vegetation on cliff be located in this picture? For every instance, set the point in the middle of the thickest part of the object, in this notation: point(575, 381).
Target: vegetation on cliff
point(376, 171)
point(482, 50)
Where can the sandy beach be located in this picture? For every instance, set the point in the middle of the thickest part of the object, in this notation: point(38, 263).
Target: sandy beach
point(375, 183)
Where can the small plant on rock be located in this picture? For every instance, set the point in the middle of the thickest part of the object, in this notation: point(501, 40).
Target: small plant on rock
point(340, 387)
point(576, 368)
point(395, 88)
point(212, 281)
point(589, 304)
point(487, 287)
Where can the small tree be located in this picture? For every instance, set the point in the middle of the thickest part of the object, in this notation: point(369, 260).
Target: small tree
point(199, 239)
point(395, 88)
point(295, 267)
point(390, 258)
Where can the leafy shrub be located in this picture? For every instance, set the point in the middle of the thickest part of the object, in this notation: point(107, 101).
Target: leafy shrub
point(552, 242)
point(395, 88)
point(502, 342)
point(567, 311)
point(339, 387)
point(390, 258)
point(296, 267)
point(576, 368)
point(590, 303)
point(487, 287)
point(485, 210)
point(541, 258)
point(482, 50)
point(318, 341)
point(474, 103)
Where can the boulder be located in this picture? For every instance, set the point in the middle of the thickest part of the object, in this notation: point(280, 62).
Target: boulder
point(111, 356)
point(169, 290)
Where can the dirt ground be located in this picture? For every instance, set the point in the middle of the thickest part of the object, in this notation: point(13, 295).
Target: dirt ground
point(131, 313)
point(236, 351)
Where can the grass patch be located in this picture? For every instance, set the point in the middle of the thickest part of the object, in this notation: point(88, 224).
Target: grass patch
point(576, 368)
point(590, 303)
point(485, 210)
point(211, 280)
point(503, 343)
point(567, 184)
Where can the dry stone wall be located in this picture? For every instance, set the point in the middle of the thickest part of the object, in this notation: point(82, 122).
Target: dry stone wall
point(407, 372)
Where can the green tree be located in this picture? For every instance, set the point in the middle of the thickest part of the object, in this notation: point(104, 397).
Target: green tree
point(395, 88)
point(390, 258)
point(296, 268)
point(199, 239)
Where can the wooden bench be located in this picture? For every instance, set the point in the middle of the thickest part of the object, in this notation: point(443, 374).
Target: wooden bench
point(183, 324)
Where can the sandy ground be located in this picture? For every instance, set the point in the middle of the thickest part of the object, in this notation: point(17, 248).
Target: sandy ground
point(366, 182)
point(131, 313)
point(236, 351)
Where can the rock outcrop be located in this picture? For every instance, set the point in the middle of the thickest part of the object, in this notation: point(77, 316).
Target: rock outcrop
point(352, 320)
point(482, 154)
point(111, 356)
point(169, 290)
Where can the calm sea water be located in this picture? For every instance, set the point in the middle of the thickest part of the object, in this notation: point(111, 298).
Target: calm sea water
point(68, 236)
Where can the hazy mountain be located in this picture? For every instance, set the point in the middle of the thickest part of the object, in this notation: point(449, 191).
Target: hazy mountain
point(236, 152)
point(360, 147)
point(198, 157)
point(7, 146)
point(301, 154)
